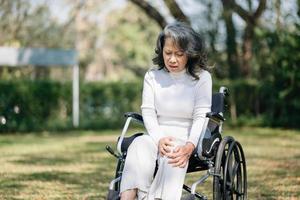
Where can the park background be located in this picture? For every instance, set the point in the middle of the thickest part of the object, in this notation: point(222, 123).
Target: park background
point(253, 48)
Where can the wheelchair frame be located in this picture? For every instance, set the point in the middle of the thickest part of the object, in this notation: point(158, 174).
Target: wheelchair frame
point(223, 158)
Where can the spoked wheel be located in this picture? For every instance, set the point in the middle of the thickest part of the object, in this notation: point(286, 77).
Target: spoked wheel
point(230, 181)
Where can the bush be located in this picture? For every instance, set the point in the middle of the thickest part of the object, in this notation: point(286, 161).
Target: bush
point(27, 105)
point(279, 72)
point(104, 104)
point(47, 105)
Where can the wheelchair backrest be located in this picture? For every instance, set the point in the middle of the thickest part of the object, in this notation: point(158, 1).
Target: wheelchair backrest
point(218, 103)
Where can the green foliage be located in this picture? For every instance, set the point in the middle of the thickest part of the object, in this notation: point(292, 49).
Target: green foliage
point(104, 104)
point(280, 76)
point(26, 25)
point(47, 105)
point(245, 93)
point(133, 38)
point(262, 103)
point(270, 97)
point(28, 105)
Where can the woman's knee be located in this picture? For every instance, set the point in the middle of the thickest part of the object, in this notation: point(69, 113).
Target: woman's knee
point(143, 151)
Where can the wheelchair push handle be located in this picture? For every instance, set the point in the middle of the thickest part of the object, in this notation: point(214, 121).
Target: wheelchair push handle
point(129, 115)
point(135, 116)
point(224, 90)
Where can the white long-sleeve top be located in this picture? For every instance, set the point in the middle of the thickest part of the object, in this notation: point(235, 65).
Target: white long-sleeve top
point(175, 99)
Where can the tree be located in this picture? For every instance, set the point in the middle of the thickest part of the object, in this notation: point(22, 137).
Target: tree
point(132, 39)
point(251, 18)
point(231, 45)
point(25, 25)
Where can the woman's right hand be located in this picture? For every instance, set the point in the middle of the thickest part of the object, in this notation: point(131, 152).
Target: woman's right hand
point(164, 145)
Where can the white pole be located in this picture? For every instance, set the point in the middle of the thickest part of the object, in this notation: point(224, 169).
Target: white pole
point(76, 95)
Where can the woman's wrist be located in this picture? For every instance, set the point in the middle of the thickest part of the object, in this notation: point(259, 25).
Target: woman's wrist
point(190, 146)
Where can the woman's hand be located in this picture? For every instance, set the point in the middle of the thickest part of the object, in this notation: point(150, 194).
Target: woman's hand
point(181, 154)
point(164, 145)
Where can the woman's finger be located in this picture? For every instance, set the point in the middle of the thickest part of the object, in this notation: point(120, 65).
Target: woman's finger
point(173, 155)
point(174, 160)
point(177, 149)
point(169, 143)
point(162, 150)
point(183, 165)
point(179, 163)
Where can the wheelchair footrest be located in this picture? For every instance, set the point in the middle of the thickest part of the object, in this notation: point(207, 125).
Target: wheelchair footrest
point(192, 196)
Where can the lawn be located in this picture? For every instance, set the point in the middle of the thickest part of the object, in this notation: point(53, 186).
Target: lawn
point(75, 165)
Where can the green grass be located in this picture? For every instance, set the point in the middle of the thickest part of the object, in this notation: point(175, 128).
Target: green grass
point(75, 165)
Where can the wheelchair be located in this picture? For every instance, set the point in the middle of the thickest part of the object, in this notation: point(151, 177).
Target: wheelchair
point(222, 157)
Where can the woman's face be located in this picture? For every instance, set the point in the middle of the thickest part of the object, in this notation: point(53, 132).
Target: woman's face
point(174, 58)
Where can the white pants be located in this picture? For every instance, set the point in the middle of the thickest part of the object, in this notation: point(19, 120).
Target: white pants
point(139, 170)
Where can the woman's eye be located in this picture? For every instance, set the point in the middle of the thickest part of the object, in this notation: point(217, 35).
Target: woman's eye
point(179, 54)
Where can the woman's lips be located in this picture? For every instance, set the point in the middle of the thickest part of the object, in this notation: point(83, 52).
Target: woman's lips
point(172, 66)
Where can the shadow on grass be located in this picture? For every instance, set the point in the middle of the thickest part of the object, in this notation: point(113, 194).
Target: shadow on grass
point(9, 184)
point(92, 184)
point(91, 181)
point(9, 188)
point(6, 142)
point(43, 160)
point(265, 192)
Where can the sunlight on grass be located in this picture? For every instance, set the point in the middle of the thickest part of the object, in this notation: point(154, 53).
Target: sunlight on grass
point(75, 165)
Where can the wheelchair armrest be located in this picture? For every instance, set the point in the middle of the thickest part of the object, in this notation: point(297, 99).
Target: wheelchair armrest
point(135, 116)
point(215, 116)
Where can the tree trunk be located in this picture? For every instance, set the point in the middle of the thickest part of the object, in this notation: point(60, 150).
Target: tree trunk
point(251, 20)
point(278, 14)
point(231, 46)
point(298, 12)
point(247, 51)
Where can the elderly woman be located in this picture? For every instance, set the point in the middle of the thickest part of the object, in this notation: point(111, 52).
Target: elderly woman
point(176, 97)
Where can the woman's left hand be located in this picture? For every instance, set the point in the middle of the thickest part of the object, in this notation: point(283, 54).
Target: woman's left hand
point(181, 154)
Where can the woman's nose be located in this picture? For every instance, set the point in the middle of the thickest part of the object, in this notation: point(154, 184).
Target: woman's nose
point(172, 58)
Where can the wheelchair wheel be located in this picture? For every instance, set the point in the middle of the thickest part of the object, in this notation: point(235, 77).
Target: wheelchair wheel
point(230, 181)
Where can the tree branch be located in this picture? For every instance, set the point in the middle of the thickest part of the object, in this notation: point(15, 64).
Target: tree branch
point(260, 9)
point(247, 16)
point(176, 10)
point(151, 12)
point(244, 14)
point(78, 6)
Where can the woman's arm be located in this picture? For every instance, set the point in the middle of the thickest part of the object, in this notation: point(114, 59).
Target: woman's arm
point(203, 95)
point(203, 98)
point(149, 110)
